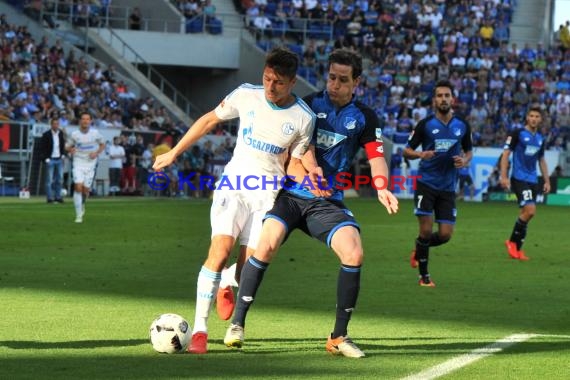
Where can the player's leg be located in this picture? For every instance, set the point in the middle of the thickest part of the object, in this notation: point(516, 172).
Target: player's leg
point(79, 174)
point(526, 196)
point(333, 224)
point(279, 222)
point(347, 245)
point(227, 216)
point(424, 200)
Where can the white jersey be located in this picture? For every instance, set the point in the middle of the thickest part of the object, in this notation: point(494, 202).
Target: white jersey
point(267, 133)
point(85, 144)
point(266, 136)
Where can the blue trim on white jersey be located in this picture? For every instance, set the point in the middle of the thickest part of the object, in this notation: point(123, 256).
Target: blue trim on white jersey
point(337, 227)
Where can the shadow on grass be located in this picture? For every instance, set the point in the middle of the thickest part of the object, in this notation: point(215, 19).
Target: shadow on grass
point(80, 344)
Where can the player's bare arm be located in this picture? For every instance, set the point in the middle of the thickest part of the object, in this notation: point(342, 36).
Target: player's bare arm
point(379, 169)
point(200, 128)
point(462, 161)
point(94, 155)
point(411, 154)
point(545, 175)
point(504, 179)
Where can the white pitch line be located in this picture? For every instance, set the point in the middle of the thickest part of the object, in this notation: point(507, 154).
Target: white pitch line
point(464, 360)
point(555, 336)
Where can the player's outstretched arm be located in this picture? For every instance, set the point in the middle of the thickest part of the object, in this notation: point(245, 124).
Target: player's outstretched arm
point(544, 171)
point(379, 170)
point(201, 127)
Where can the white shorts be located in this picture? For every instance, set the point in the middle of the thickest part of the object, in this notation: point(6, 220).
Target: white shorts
point(235, 215)
point(83, 173)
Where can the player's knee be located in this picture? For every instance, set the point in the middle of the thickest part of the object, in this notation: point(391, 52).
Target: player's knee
point(444, 237)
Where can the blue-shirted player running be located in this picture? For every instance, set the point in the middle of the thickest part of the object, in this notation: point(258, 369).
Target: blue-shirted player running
point(527, 145)
point(343, 126)
point(443, 137)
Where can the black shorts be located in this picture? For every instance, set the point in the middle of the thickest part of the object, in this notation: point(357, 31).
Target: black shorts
point(318, 218)
point(428, 201)
point(465, 180)
point(526, 192)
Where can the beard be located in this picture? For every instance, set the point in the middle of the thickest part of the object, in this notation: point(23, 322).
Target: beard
point(444, 109)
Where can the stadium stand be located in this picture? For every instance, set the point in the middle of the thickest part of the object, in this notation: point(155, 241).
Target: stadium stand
point(410, 44)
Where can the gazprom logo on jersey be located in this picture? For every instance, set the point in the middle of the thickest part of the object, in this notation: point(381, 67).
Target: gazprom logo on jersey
point(327, 139)
point(443, 145)
point(261, 145)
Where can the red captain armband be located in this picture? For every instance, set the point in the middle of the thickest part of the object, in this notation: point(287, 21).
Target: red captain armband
point(374, 149)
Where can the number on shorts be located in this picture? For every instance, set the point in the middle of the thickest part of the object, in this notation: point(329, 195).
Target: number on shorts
point(527, 195)
point(420, 197)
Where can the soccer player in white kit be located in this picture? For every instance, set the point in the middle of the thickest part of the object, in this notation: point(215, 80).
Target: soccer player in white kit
point(274, 125)
point(84, 145)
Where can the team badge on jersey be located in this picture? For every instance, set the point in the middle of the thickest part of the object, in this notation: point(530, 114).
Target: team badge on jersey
point(288, 128)
point(350, 123)
point(321, 115)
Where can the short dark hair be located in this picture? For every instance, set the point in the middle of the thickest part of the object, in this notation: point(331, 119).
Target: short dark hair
point(283, 61)
point(348, 58)
point(443, 83)
point(534, 107)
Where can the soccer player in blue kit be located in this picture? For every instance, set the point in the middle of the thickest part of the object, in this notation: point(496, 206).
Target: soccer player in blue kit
point(343, 126)
point(527, 145)
point(442, 137)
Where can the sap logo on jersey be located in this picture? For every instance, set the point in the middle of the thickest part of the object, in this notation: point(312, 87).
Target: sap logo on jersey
point(443, 145)
point(530, 150)
point(288, 129)
point(260, 145)
point(326, 139)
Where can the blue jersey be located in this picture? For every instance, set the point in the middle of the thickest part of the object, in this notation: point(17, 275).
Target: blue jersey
point(527, 148)
point(447, 140)
point(338, 135)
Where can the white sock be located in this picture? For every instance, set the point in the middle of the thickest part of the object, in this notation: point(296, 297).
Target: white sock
point(229, 277)
point(77, 200)
point(206, 290)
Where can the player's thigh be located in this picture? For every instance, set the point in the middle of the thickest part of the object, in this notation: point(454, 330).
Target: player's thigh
point(287, 210)
point(424, 200)
point(84, 174)
point(445, 209)
point(325, 217)
point(526, 192)
point(228, 215)
point(347, 245)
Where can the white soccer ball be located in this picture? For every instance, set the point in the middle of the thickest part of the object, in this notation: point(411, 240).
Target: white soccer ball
point(63, 193)
point(170, 334)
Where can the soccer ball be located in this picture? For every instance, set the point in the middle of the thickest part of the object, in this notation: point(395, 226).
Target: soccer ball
point(63, 193)
point(170, 334)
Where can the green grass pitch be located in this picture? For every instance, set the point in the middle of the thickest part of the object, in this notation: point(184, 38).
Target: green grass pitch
point(77, 300)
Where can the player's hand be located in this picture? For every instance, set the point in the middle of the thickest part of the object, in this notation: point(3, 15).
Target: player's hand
point(93, 155)
point(320, 185)
point(163, 161)
point(458, 162)
point(388, 200)
point(427, 154)
point(506, 183)
point(72, 151)
point(546, 188)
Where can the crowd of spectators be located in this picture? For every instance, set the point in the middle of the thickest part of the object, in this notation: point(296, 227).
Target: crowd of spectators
point(39, 80)
point(410, 44)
